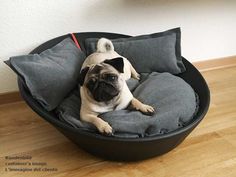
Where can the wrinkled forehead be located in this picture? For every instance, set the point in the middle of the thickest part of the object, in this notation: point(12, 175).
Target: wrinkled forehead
point(95, 69)
point(101, 68)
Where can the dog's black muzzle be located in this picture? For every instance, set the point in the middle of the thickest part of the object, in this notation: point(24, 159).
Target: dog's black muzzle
point(104, 91)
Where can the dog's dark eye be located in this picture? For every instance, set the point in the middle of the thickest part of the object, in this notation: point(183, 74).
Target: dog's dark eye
point(110, 77)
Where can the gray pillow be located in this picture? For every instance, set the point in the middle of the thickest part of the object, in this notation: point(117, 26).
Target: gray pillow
point(52, 74)
point(155, 52)
point(174, 100)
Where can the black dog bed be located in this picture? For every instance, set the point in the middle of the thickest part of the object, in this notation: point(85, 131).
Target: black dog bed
point(116, 148)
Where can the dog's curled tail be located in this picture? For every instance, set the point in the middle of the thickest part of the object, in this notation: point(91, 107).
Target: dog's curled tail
point(104, 45)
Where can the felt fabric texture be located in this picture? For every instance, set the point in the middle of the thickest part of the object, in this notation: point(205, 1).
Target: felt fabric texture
point(52, 74)
point(174, 100)
point(160, 52)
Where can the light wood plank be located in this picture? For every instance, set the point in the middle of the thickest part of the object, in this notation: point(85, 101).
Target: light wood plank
point(218, 63)
point(10, 97)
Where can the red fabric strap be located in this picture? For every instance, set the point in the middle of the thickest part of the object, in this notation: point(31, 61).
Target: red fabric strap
point(75, 40)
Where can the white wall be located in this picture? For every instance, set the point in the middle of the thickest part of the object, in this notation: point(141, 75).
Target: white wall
point(208, 26)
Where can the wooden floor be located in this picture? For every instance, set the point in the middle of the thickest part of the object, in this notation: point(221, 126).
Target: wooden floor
point(209, 151)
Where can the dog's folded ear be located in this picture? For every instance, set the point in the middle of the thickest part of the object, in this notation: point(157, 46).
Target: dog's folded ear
point(117, 63)
point(82, 75)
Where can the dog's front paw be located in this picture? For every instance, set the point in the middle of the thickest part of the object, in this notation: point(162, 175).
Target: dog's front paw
point(104, 127)
point(147, 110)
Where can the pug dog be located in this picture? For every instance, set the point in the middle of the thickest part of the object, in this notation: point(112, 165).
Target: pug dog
point(103, 86)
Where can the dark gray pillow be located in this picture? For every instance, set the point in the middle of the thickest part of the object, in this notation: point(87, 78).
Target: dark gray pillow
point(174, 100)
point(52, 74)
point(155, 52)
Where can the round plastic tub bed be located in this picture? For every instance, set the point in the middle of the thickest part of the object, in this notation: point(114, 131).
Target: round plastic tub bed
point(123, 149)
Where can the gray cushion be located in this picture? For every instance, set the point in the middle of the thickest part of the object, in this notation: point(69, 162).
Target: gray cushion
point(174, 100)
point(52, 74)
point(159, 52)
